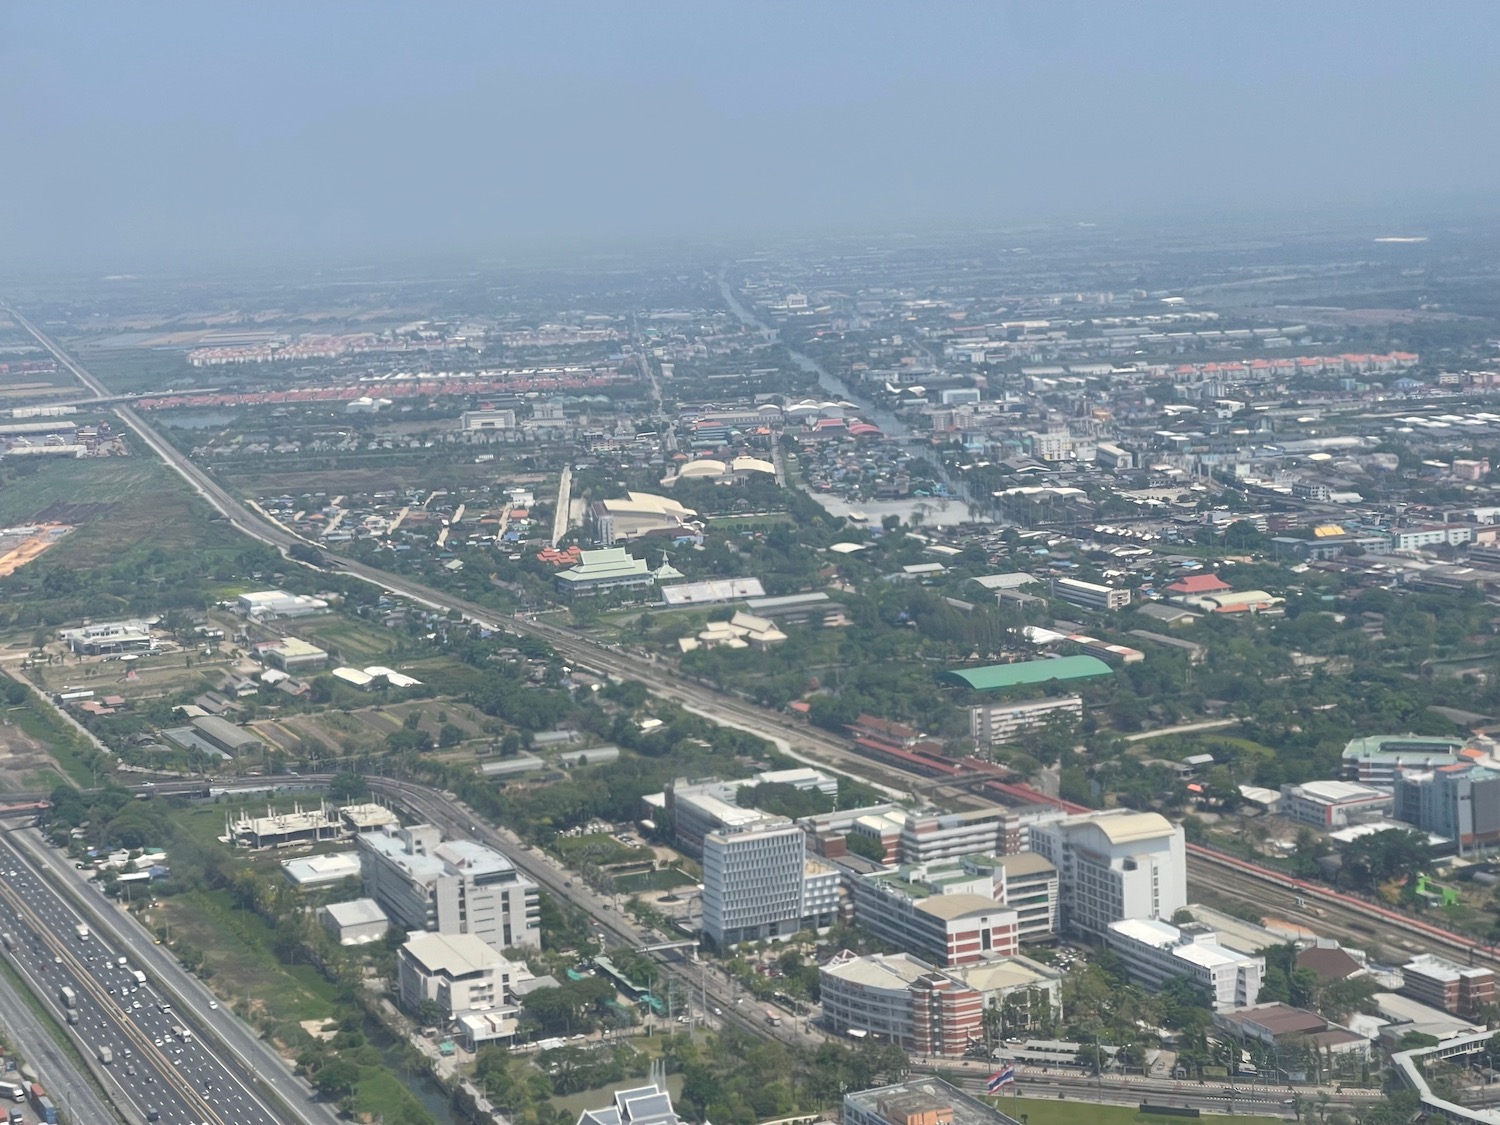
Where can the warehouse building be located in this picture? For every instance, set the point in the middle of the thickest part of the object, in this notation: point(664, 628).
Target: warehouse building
point(226, 736)
point(291, 654)
point(278, 603)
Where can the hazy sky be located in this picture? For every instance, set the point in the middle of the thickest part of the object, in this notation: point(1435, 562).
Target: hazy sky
point(221, 129)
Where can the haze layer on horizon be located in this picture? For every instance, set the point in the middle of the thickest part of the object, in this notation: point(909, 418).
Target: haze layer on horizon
point(135, 134)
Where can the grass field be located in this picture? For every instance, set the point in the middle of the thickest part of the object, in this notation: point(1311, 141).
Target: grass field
point(664, 880)
point(68, 748)
point(1045, 1111)
point(355, 643)
point(236, 945)
point(154, 675)
point(148, 508)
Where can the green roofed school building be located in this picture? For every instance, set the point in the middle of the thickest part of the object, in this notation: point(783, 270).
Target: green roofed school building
point(995, 677)
point(610, 568)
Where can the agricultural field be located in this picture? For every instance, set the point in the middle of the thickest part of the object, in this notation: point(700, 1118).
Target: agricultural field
point(346, 641)
point(364, 730)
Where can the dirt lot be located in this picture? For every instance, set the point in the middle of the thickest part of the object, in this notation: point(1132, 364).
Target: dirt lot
point(24, 762)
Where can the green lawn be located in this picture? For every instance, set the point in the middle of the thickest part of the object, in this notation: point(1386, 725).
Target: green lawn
point(663, 880)
point(1045, 1111)
point(237, 946)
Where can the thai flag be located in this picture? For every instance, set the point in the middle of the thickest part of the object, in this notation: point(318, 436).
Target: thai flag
point(1001, 1078)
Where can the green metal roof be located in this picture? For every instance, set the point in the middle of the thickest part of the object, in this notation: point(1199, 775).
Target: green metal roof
point(996, 676)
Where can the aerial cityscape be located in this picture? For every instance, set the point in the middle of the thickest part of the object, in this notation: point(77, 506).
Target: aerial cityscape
point(611, 651)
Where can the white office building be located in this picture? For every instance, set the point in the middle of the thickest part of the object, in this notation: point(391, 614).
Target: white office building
point(1154, 952)
point(1334, 804)
point(994, 723)
point(1114, 866)
point(759, 882)
point(457, 887)
point(458, 972)
point(1090, 595)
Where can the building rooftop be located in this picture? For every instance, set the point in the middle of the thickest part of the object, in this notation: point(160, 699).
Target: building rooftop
point(368, 815)
point(359, 912)
point(1276, 1019)
point(1152, 931)
point(1133, 827)
point(882, 970)
point(923, 1099)
point(1330, 963)
point(1338, 791)
point(994, 677)
point(292, 647)
point(607, 562)
point(1007, 972)
point(1441, 969)
point(949, 907)
point(1025, 863)
point(476, 859)
point(322, 868)
point(452, 955)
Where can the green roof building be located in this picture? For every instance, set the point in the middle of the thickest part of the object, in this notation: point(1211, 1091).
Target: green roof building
point(994, 677)
point(607, 569)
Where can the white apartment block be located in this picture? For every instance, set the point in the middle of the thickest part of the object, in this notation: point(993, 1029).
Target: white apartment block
point(953, 835)
point(995, 723)
point(456, 887)
point(1433, 535)
point(1114, 866)
point(1154, 952)
point(456, 971)
point(759, 883)
point(1090, 595)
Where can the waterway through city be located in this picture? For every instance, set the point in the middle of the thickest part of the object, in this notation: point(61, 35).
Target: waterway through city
point(946, 511)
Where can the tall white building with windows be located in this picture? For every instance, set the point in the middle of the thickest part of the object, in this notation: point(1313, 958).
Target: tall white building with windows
point(1114, 866)
point(759, 882)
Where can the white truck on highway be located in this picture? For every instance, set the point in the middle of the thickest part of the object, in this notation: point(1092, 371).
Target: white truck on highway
point(106, 1055)
point(140, 977)
point(82, 931)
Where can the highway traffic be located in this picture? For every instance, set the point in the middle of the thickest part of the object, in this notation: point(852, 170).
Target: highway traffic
point(150, 1052)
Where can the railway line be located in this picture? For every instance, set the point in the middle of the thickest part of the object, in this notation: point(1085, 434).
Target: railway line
point(1325, 908)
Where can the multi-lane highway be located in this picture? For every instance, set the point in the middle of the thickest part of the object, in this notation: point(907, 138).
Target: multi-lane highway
point(161, 1067)
point(257, 1071)
point(56, 1071)
point(155, 1068)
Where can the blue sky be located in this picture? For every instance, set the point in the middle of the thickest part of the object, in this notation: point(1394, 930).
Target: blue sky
point(217, 131)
